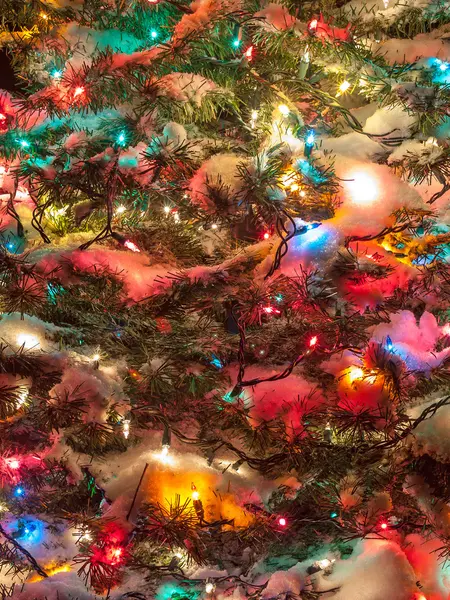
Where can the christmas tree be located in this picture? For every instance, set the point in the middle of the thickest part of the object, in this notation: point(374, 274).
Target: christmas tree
point(225, 336)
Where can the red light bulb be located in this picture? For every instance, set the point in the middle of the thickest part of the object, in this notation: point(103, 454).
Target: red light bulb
point(13, 463)
point(266, 236)
point(384, 526)
point(282, 522)
point(313, 24)
point(313, 341)
point(131, 246)
point(249, 53)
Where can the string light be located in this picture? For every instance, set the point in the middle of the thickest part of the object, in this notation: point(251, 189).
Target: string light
point(195, 495)
point(167, 209)
point(284, 110)
point(249, 53)
point(325, 563)
point(78, 91)
point(121, 209)
point(312, 25)
point(355, 373)
point(154, 34)
point(362, 187)
point(266, 236)
point(28, 341)
point(209, 587)
point(121, 138)
point(131, 246)
point(23, 395)
point(43, 15)
point(19, 491)
point(313, 341)
point(24, 143)
point(253, 118)
point(384, 526)
point(126, 428)
point(236, 43)
point(282, 522)
point(13, 463)
point(345, 85)
point(56, 74)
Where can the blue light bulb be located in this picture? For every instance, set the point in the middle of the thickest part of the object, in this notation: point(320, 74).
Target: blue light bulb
point(443, 66)
point(24, 143)
point(57, 74)
point(18, 491)
point(310, 139)
point(154, 33)
point(236, 43)
point(121, 138)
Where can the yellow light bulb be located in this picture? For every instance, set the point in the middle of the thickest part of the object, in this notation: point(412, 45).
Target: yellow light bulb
point(294, 187)
point(195, 495)
point(344, 87)
point(355, 373)
point(284, 110)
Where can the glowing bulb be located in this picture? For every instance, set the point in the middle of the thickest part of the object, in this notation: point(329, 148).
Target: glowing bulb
point(22, 398)
point(57, 74)
point(13, 463)
point(313, 24)
point(214, 226)
point(43, 16)
point(325, 563)
point(236, 43)
point(254, 115)
point(2, 169)
point(166, 209)
point(266, 236)
point(131, 246)
point(126, 428)
point(386, 3)
point(121, 209)
point(344, 87)
point(121, 138)
point(24, 143)
point(384, 526)
point(179, 555)
point(209, 588)
point(443, 66)
point(28, 341)
point(195, 494)
point(355, 373)
point(154, 33)
point(362, 187)
point(78, 91)
point(19, 491)
point(310, 138)
point(282, 522)
point(313, 341)
point(302, 193)
point(294, 187)
point(284, 110)
point(249, 53)
point(96, 358)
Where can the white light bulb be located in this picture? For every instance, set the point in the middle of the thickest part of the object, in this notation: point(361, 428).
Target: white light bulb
point(121, 209)
point(166, 209)
point(126, 428)
point(284, 110)
point(209, 588)
point(28, 341)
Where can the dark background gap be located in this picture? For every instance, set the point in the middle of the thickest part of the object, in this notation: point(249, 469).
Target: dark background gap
point(8, 80)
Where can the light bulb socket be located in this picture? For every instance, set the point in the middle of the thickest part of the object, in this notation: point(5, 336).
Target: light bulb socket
point(167, 437)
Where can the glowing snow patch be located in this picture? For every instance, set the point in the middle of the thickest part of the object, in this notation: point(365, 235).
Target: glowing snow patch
point(362, 187)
